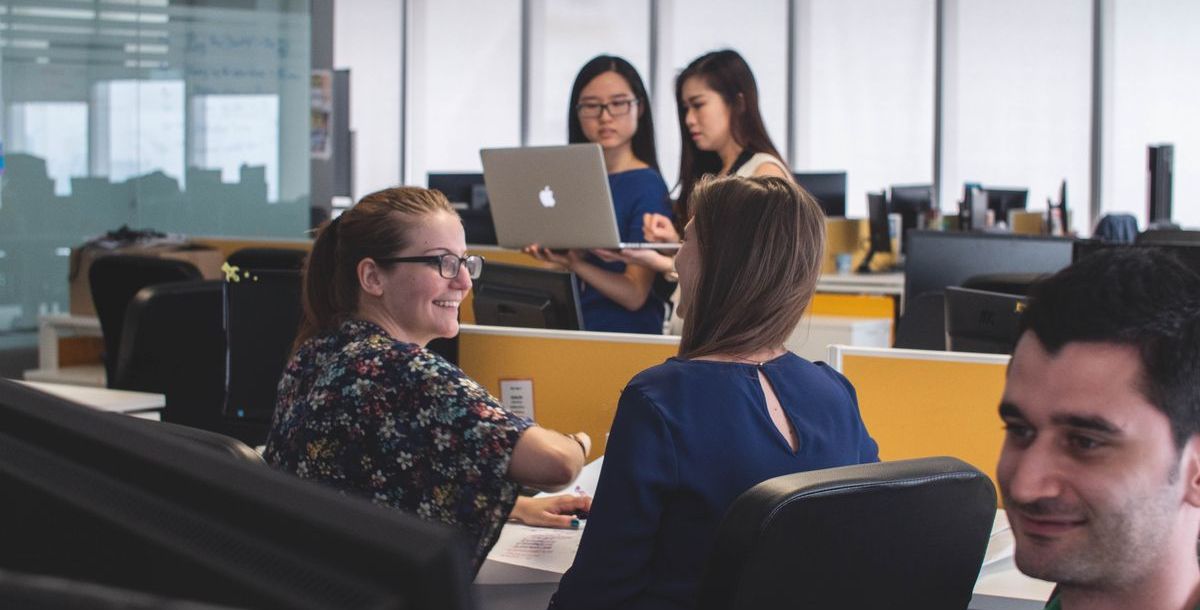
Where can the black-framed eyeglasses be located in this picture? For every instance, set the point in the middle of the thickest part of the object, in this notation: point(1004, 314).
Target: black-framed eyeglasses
point(448, 264)
point(593, 110)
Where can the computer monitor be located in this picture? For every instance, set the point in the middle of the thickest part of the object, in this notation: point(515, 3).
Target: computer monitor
point(93, 497)
point(981, 321)
point(938, 259)
point(972, 210)
point(262, 315)
point(912, 202)
point(1000, 201)
point(464, 190)
point(828, 188)
point(880, 239)
point(527, 297)
point(1057, 219)
point(1159, 175)
point(468, 194)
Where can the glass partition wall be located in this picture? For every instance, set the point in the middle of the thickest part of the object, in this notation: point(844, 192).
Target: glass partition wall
point(183, 117)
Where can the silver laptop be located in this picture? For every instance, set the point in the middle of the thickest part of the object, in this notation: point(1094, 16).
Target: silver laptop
point(554, 196)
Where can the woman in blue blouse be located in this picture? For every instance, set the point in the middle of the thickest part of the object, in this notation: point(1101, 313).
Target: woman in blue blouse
point(735, 408)
point(609, 106)
point(365, 408)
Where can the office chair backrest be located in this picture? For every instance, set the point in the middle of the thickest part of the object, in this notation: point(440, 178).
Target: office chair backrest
point(115, 280)
point(908, 534)
point(923, 323)
point(1007, 283)
point(1116, 229)
point(173, 343)
point(269, 258)
point(214, 441)
point(45, 592)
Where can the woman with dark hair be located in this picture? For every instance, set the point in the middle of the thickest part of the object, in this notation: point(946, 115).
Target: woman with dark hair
point(609, 106)
point(723, 135)
point(365, 408)
point(733, 409)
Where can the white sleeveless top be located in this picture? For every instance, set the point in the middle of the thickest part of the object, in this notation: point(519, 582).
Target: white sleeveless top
point(758, 160)
point(675, 325)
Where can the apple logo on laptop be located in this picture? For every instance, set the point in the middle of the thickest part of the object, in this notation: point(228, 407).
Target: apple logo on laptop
point(546, 196)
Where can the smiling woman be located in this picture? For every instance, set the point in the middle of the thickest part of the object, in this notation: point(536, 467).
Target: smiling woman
point(365, 408)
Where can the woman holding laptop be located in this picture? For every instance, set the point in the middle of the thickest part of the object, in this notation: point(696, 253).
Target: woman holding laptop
point(733, 409)
point(609, 106)
point(362, 405)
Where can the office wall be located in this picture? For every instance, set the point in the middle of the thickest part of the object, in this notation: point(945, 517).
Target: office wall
point(368, 39)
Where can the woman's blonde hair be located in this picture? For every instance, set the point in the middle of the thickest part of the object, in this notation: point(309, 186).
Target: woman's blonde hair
point(760, 243)
point(376, 227)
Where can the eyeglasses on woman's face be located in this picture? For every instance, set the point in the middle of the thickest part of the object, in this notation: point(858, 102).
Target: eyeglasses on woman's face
point(447, 264)
point(615, 108)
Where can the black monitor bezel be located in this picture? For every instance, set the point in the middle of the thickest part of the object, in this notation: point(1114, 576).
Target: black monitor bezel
point(517, 282)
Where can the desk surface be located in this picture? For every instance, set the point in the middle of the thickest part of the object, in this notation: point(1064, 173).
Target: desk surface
point(504, 586)
point(863, 283)
point(104, 399)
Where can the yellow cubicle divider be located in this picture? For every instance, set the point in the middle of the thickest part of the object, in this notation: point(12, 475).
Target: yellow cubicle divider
point(853, 305)
point(577, 376)
point(919, 403)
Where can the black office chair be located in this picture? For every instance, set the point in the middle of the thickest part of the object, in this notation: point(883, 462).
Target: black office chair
point(172, 343)
point(1116, 229)
point(1007, 283)
point(115, 280)
point(213, 441)
point(269, 258)
point(923, 323)
point(45, 592)
point(905, 534)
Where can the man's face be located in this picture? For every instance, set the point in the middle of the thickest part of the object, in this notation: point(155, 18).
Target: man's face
point(1090, 474)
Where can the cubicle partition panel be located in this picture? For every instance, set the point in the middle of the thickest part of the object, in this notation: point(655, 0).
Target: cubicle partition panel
point(567, 380)
point(919, 403)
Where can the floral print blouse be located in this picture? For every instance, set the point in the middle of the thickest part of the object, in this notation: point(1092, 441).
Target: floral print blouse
point(395, 423)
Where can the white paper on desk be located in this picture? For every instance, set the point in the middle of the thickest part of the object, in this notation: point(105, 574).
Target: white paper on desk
point(1000, 546)
point(586, 483)
point(540, 548)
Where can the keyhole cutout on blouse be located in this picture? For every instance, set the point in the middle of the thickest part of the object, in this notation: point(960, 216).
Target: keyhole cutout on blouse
point(775, 410)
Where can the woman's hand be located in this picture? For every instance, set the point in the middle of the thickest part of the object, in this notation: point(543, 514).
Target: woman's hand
point(659, 228)
point(645, 257)
point(563, 511)
point(567, 260)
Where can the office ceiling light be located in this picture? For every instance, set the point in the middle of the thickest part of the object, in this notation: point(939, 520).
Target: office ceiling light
point(133, 17)
point(147, 49)
point(53, 13)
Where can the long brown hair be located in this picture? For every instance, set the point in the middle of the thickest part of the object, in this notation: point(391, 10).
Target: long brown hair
point(760, 242)
point(376, 227)
point(728, 74)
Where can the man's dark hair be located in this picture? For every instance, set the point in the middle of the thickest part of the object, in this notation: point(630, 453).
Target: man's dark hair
point(1136, 296)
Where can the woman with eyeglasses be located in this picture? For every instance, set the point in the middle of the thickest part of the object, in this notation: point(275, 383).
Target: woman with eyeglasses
point(365, 408)
point(733, 409)
point(609, 106)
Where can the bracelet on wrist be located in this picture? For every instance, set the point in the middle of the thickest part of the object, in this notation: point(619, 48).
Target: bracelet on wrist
point(580, 443)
